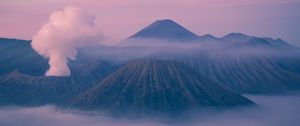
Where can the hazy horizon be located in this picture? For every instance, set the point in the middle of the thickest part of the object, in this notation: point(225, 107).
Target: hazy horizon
point(272, 111)
point(149, 63)
point(120, 19)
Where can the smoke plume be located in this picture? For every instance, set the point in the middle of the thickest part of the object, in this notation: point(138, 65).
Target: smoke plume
point(60, 37)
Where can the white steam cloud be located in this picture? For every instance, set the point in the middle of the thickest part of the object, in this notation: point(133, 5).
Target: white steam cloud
point(60, 37)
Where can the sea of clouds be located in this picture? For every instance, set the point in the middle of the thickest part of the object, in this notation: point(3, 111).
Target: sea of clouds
point(279, 110)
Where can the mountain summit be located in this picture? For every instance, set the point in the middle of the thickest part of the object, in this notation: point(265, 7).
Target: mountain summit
point(167, 30)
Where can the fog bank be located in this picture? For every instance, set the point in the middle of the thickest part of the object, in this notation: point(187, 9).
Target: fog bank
point(273, 111)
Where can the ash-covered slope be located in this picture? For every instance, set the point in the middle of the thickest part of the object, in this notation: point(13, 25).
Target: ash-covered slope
point(22, 80)
point(21, 89)
point(246, 70)
point(18, 55)
point(143, 86)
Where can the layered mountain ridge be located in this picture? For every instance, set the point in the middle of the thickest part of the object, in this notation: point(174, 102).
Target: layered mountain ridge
point(169, 30)
point(149, 85)
point(193, 72)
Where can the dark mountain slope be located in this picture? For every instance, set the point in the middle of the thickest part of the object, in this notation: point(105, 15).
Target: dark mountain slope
point(18, 54)
point(246, 71)
point(246, 40)
point(278, 42)
point(21, 89)
point(143, 86)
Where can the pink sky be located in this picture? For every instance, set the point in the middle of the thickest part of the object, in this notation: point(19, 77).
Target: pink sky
point(119, 19)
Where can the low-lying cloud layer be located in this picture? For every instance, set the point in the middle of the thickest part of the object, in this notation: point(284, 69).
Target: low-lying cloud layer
point(273, 111)
point(60, 37)
point(158, 48)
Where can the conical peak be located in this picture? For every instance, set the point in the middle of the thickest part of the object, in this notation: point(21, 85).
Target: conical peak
point(165, 29)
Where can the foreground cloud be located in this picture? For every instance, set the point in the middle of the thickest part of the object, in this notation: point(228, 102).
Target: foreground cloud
point(60, 37)
point(273, 111)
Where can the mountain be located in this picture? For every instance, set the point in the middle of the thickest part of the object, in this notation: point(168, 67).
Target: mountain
point(245, 70)
point(6, 42)
point(208, 38)
point(149, 86)
point(170, 31)
point(237, 37)
point(22, 80)
point(165, 30)
point(23, 89)
point(18, 54)
point(246, 40)
point(256, 42)
point(278, 42)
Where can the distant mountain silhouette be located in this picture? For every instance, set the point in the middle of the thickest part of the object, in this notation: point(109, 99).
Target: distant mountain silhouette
point(170, 31)
point(238, 37)
point(278, 42)
point(145, 86)
point(208, 38)
point(253, 41)
point(166, 30)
